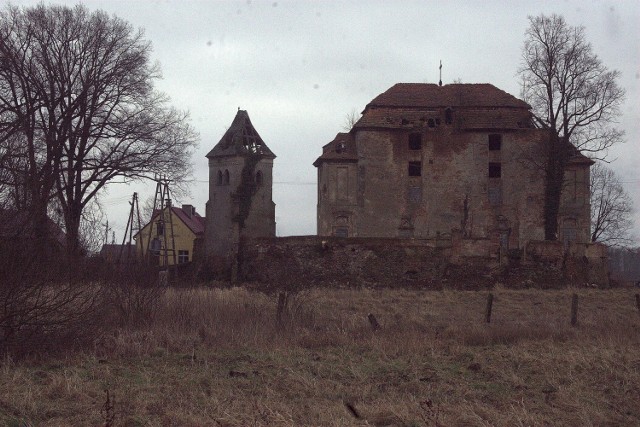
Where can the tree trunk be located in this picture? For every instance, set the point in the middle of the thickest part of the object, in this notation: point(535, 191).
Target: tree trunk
point(72, 218)
point(558, 155)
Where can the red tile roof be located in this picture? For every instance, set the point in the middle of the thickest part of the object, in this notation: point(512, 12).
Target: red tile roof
point(194, 221)
point(342, 148)
point(471, 107)
point(425, 95)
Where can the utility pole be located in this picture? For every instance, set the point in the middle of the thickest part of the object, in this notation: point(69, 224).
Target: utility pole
point(164, 223)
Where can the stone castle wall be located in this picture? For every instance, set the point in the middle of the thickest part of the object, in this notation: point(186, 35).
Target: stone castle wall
point(302, 262)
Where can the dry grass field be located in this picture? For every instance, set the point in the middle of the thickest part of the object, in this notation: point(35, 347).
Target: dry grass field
point(214, 357)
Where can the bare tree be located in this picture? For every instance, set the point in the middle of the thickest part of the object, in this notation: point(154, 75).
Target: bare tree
point(611, 208)
point(573, 95)
point(78, 86)
point(350, 119)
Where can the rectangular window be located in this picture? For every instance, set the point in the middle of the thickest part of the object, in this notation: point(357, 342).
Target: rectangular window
point(160, 228)
point(341, 232)
point(342, 185)
point(415, 141)
point(495, 142)
point(495, 170)
point(415, 168)
point(183, 257)
point(495, 196)
point(415, 195)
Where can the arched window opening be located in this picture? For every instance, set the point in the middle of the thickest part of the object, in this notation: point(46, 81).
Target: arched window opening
point(219, 177)
point(226, 177)
point(259, 178)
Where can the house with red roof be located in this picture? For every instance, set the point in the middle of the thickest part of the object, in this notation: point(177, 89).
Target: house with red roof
point(434, 162)
point(170, 235)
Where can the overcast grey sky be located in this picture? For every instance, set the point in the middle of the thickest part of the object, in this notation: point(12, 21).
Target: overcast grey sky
point(299, 68)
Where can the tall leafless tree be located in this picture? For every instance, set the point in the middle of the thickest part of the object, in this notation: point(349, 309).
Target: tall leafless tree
point(78, 87)
point(611, 208)
point(573, 95)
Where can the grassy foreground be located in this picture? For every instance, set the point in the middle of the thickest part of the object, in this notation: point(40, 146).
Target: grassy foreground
point(214, 357)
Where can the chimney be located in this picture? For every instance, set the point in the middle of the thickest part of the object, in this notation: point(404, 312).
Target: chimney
point(189, 210)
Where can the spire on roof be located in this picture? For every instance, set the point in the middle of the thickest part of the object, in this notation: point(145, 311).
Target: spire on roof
point(241, 138)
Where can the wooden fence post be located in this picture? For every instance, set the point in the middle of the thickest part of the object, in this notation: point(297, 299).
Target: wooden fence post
point(574, 310)
point(489, 306)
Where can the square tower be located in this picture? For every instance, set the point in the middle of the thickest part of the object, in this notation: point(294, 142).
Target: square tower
point(240, 189)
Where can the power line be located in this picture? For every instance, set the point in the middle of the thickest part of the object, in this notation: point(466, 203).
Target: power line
point(275, 182)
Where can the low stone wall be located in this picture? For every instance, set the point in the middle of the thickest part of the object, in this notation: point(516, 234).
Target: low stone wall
point(299, 262)
point(581, 263)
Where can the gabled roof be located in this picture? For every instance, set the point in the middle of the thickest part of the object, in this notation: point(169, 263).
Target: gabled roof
point(194, 222)
point(17, 224)
point(426, 95)
point(341, 149)
point(240, 139)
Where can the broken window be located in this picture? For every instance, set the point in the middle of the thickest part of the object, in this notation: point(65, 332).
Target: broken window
point(226, 177)
point(415, 141)
point(495, 170)
point(495, 142)
point(415, 168)
point(259, 178)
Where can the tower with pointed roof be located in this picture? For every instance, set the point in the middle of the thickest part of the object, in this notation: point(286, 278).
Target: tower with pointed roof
point(240, 189)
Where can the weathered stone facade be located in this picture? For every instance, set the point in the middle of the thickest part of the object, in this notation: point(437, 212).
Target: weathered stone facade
point(240, 189)
point(428, 161)
point(305, 261)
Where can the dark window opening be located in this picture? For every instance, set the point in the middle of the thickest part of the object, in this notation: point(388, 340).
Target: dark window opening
point(431, 123)
point(341, 147)
point(341, 232)
point(226, 177)
point(415, 141)
point(448, 116)
point(495, 170)
point(219, 177)
point(183, 257)
point(415, 168)
point(495, 142)
point(160, 228)
point(259, 178)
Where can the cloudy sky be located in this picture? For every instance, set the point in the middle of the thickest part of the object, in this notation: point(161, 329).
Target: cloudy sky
point(300, 67)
